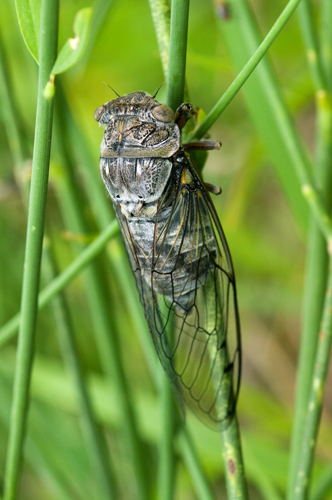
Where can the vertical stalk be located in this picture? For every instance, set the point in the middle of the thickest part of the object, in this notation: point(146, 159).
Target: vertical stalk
point(174, 96)
point(177, 53)
point(35, 231)
point(233, 461)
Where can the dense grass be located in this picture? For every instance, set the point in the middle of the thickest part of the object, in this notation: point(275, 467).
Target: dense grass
point(99, 404)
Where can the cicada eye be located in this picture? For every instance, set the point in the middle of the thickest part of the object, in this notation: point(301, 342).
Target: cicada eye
point(99, 111)
point(163, 113)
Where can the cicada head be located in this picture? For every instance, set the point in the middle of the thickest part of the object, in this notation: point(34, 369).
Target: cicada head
point(138, 126)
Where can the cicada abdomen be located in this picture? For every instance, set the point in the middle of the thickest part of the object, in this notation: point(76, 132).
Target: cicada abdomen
point(177, 251)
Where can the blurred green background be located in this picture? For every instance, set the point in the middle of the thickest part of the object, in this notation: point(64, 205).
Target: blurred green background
point(265, 226)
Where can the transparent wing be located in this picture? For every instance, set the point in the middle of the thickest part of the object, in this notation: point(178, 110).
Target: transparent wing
point(186, 282)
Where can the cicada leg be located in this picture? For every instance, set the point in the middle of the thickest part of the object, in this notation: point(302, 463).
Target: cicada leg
point(203, 145)
point(212, 188)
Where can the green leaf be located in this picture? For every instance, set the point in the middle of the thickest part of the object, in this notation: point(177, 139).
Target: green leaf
point(28, 14)
point(73, 49)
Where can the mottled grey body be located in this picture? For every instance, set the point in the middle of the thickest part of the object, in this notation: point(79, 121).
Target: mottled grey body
point(177, 250)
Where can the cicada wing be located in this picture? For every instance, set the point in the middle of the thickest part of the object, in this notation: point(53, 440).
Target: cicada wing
point(186, 284)
point(192, 307)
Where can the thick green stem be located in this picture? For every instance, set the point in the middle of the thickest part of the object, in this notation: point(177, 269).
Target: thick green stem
point(175, 90)
point(177, 53)
point(233, 462)
point(35, 231)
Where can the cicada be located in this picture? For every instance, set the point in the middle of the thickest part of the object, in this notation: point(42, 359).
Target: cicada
point(176, 248)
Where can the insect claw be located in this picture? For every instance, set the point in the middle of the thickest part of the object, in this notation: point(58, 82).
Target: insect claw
point(183, 114)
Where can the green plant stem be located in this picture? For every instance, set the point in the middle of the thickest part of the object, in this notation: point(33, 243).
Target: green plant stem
point(233, 461)
point(35, 230)
point(160, 11)
point(177, 53)
point(317, 259)
point(8, 330)
point(174, 96)
point(310, 431)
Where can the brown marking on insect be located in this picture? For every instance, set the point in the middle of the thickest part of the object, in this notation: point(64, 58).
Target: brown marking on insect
point(121, 123)
point(231, 466)
point(322, 335)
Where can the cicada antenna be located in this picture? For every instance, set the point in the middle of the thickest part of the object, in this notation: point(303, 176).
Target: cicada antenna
point(111, 88)
point(155, 95)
